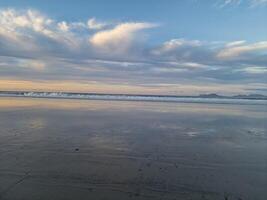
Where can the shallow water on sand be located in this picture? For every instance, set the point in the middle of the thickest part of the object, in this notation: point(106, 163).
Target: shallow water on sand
point(79, 149)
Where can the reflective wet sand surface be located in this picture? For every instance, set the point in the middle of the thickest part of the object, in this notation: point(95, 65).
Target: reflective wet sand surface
point(79, 149)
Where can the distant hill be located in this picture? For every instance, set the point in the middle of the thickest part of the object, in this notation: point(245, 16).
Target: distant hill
point(249, 96)
point(213, 95)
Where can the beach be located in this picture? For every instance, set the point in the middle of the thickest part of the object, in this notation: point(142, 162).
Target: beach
point(97, 149)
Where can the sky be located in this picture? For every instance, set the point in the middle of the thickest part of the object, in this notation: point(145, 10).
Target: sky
point(184, 47)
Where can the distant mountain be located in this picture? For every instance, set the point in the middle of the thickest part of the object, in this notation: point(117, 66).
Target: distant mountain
point(213, 95)
point(250, 96)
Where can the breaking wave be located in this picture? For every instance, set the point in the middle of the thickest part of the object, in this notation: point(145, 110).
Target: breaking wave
point(125, 97)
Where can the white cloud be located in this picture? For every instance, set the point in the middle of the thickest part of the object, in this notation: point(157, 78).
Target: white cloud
point(235, 43)
point(251, 3)
point(194, 65)
point(93, 24)
point(235, 51)
point(161, 70)
point(63, 26)
point(120, 38)
point(175, 44)
point(255, 70)
point(34, 64)
point(230, 2)
point(25, 28)
point(39, 65)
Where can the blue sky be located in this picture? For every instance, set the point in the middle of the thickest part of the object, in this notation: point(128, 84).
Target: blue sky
point(194, 19)
point(159, 46)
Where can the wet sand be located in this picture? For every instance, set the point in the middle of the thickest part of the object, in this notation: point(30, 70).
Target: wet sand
point(80, 149)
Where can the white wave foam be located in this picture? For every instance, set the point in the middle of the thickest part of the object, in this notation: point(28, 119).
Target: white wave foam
point(133, 97)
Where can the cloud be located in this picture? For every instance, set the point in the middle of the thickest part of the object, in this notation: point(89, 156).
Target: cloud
point(255, 70)
point(63, 26)
point(12, 21)
point(230, 2)
point(26, 29)
point(95, 25)
point(120, 38)
point(35, 46)
point(175, 44)
point(251, 3)
point(238, 49)
point(33, 64)
point(235, 43)
point(258, 2)
point(23, 32)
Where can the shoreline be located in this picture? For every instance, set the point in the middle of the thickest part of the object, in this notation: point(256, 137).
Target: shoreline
point(139, 98)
